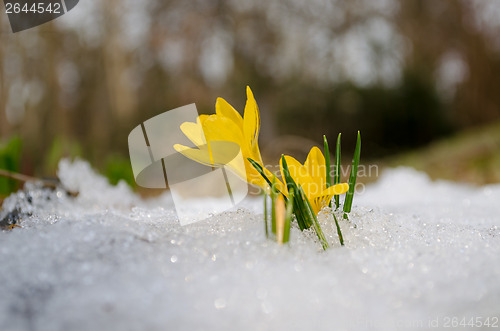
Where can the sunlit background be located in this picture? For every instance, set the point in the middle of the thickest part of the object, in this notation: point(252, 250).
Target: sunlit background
point(418, 78)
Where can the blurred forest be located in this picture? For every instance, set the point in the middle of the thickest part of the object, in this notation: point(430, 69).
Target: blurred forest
point(404, 73)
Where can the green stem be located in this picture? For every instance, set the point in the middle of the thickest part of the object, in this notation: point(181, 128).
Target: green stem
point(265, 215)
point(274, 195)
point(288, 217)
point(260, 170)
point(298, 207)
point(310, 213)
point(336, 175)
point(352, 179)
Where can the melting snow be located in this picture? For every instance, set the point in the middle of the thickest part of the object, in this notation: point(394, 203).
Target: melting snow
point(422, 253)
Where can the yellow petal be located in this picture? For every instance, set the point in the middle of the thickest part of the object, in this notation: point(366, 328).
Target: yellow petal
point(224, 109)
point(194, 132)
point(301, 176)
point(315, 164)
point(318, 201)
point(217, 128)
point(203, 156)
point(202, 118)
point(215, 153)
point(336, 189)
point(239, 169)
point(200, 155)
point(251, 122)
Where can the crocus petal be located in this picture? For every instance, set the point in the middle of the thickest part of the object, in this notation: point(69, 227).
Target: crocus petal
point(214, 153)
point(239, 169)
point(224, 109)
point(202, 118)
point(336, 189)
point(300, 175)
point(251, 122)
point(201, 155)
point(194, 132)
point(227, 125)
point(219, 128)
point(318, 201)
point(315, 164)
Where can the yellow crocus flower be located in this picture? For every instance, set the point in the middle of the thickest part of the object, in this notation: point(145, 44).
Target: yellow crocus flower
point(312, 177)
point(212, 133)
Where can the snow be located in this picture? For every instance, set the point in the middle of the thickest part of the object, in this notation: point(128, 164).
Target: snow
point(422, 253)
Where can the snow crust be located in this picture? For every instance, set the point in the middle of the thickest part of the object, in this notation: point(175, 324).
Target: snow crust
point(417, 252)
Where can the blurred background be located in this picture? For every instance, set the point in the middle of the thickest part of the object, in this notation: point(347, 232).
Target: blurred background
point(418, 78)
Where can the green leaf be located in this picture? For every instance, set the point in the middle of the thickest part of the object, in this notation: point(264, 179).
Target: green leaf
point(339, 232)
point(298, 208)
point(336, 175)
point(352, 179)
point(259, 168)
point(312, 217)
point(327, 163)
point(288, 216)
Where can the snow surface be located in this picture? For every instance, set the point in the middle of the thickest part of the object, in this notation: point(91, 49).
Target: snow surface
point(422, 252)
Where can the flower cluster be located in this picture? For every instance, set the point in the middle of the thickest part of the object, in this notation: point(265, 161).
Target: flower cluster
point(304, 189)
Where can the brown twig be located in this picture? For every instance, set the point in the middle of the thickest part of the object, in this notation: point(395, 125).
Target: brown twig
point(25, 178)
point(53, 184)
